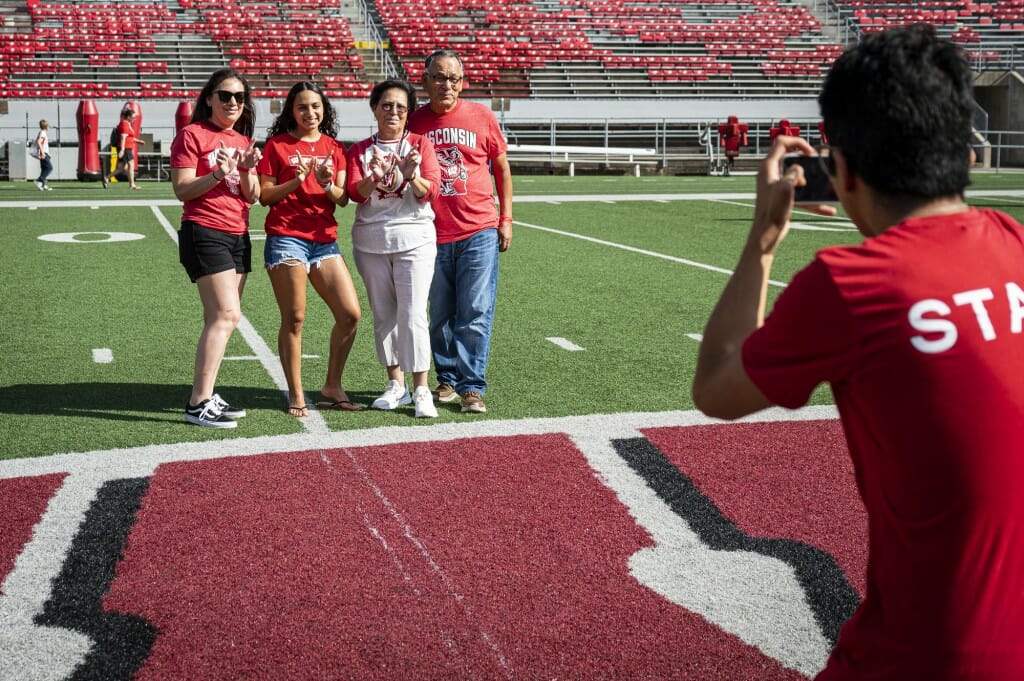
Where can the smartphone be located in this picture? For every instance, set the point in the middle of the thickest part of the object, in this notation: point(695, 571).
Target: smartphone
point(819, 186)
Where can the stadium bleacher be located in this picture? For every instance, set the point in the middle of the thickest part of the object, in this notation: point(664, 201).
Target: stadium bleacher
point(126, 50)
point(572, 49)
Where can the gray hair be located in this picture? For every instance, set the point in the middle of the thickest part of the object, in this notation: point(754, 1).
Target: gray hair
point(440, 54)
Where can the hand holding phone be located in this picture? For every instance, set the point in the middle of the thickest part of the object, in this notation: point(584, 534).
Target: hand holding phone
point(818, 188)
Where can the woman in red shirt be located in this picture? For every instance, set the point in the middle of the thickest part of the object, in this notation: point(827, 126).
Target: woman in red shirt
point(302, 179)
point(210, 162)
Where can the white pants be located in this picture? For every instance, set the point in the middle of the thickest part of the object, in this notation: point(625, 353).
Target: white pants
point(397, 285)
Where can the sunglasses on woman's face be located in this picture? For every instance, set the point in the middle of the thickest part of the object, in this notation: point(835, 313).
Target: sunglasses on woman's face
point(226, 96)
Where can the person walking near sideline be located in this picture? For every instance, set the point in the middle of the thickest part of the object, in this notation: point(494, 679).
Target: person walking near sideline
point(393, 176)
point(127, 149)
point(211, 162)
point(302, 179)
point(470, 234)
point(41, 150)
point(918, 332)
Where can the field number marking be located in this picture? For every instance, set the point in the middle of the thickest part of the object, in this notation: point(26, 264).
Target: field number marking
point(564, 344)
point(91, 237)
point(102, 355)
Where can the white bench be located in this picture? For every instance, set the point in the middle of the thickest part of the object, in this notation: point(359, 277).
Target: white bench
point(570, 156)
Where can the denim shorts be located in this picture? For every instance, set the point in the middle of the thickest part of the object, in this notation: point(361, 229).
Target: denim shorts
point(292, 250)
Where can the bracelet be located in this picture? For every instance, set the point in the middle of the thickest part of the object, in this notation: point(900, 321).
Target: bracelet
point(505, 218)
point(327, 186)
point(214, 173)
point(243, 170)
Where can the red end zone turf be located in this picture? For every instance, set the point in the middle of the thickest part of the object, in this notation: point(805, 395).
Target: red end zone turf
point(25, 499)
point(488, 558)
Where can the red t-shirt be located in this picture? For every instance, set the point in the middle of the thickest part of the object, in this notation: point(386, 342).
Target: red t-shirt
point(128, 139)
point(308, 212)
point(466, 139)
point(223, 207)
point(919, 333)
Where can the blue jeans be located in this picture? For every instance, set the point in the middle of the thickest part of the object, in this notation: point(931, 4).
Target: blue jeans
point(462, 297)
point(45, 168)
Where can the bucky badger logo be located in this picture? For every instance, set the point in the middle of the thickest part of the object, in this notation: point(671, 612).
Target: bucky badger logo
point(453, 173)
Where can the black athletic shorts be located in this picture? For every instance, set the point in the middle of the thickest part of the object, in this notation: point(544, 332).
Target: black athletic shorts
point(203, 251)
point(127, 155)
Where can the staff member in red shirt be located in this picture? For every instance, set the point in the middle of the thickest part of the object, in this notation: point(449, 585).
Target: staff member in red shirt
point(127, 148)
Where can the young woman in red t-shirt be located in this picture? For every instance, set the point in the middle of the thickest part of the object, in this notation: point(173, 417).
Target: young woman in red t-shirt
point(302, 178)
point(210, 162)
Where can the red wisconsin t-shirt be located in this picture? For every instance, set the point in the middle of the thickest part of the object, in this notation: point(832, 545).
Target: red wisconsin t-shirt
point(308, 212)
point(223, 207)
point(919, 333)
point(466, 139)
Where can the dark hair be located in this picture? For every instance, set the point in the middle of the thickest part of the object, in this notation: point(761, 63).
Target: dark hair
point(246, 123)
point(127, 113)
point(392, 84)
point(899, 107)
point(285, 121)
point(438, 54)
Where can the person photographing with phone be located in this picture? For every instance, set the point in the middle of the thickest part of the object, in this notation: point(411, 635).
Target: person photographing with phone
point(918, 331)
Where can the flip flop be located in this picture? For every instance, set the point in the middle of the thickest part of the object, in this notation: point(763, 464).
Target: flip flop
point(340, 405)
point(299, 412)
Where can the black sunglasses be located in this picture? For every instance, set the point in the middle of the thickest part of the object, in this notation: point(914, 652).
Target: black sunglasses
point(226, 96)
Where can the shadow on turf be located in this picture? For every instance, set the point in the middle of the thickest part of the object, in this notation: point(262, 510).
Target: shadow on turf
point(122, 401)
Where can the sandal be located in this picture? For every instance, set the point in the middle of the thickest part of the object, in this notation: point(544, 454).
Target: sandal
point(339, 405)
point(299, 412)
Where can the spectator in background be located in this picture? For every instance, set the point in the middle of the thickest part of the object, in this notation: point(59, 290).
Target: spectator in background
point(918, 332)
point(393, 177)
point(41, 150)
point(302, 179)
point(211, 162)
point(127, 149)
point(470, 233)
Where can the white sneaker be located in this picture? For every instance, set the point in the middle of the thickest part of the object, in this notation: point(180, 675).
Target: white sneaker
point(394, 395)
point(424, 401)
point(40, 185)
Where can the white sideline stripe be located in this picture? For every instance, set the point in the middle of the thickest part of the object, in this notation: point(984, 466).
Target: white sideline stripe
point(564, 344)
point(534, 198)
point(641, 251)
point(102, 355)
point(314, 422)
point(113, 464)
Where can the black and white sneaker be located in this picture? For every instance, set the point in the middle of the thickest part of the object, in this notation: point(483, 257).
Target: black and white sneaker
point(227, 409)
point(208, 414)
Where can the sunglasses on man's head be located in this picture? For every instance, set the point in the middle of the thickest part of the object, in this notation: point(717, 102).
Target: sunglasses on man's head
point(226, 96)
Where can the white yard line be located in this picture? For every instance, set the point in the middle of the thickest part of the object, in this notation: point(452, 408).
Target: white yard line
point(641, 251)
